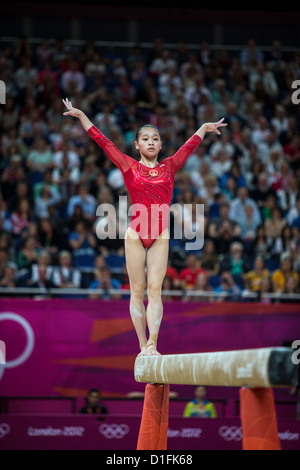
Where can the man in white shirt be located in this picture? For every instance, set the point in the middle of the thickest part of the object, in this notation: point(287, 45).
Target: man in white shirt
point(238, 205)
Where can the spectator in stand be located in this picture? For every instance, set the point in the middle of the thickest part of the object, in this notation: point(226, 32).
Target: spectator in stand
point(292, 152)
point(41, 279)
point(280, 276)
point(200, 407)
point(6, 243)
point(83, 245)
point(262, 191)
point(238, 204)
point(66, 157)
point(189, 274)
point(251, 53)
point(228, 289)
point(38, 160)
point(29, 252)
point(265, 289)
point(284, 241)
point(46, 198)
point(236, 262)
point(85, 200)
point(162, 64)
point(9, 278)
point(261, 245)
point(65, 275)
point(216, 226)
point(105, 281)
point(168, 285)
point(72, 80)
point(40, 275)
point(254, 277)
point(275, 224)
point(295, 220)
point(21, 218)
point(203, 287)
point(3, 261)
point(289, 199)
point(209, 259)
point(248, 226)
point(291, 289)
point(47, 181)
point(93, 403)
point(50, 238)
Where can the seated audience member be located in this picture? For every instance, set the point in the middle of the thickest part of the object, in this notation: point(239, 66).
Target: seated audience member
point(168, 285)
point(9, 278)
point(65, 275)
point(238, 205)
point(209, 259)
point(41, 278)
point(202, 286)
point(237, 262)
point(85, 200)
point(228, 289)
point(291, 289)
point(249, 226)
point(275, 224)
point(83, 245)
point(189, 274)
point(254, 277)
point(261, 245)
point(28, 253)
point(106, 282)
point(93, 403)
point(200, 406)
point(280, 276)
point(265, 289)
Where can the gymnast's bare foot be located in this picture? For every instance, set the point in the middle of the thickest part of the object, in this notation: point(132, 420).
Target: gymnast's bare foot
point(151, 349)
point(143, 351)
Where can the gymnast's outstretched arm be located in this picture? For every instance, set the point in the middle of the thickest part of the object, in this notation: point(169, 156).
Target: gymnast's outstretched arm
point(179, 158)
point(122, 161)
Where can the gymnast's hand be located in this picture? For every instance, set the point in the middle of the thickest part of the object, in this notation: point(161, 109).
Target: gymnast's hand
point(210, 127)
point(213, 126)
point(71, 111)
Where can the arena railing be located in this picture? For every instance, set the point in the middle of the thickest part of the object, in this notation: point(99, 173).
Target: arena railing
point(144, 44)
point(52, 292)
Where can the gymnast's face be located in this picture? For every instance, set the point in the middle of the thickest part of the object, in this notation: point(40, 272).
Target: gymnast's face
point(148, 143)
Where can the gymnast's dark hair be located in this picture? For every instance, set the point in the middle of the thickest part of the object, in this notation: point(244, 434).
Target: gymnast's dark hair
point(142, 127)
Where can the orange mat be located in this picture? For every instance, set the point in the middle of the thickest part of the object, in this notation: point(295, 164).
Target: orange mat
point(259, 420)
point(153, 433)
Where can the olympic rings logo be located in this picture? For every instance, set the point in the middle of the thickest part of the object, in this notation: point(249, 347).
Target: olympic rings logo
point(114, 431)
point(231, 433)
point(4, 429)
point(29, 341)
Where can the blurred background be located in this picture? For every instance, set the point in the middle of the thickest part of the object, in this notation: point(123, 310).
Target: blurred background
point(64, 312)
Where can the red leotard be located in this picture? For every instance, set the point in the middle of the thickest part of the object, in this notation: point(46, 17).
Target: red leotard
point(150, 189)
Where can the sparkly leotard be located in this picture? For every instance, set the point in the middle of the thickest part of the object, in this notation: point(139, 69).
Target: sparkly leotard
point(150, 189)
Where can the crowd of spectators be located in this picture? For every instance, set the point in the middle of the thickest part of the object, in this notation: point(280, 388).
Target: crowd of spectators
point(53, 176)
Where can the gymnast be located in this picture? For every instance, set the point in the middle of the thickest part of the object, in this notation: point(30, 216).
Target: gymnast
point(150, 186)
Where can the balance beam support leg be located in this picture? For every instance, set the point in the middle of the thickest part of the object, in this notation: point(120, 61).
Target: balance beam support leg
point(259, 420)
point(155, 418)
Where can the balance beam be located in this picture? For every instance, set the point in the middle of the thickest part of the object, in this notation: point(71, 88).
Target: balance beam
point(263, 367)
